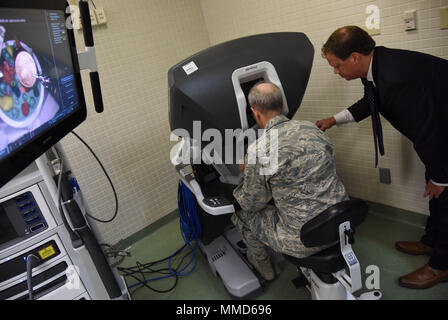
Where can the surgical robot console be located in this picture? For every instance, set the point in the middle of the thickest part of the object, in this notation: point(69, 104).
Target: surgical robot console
point(209, 91)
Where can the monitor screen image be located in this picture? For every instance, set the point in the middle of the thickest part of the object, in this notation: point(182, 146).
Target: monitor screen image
point(39, 86)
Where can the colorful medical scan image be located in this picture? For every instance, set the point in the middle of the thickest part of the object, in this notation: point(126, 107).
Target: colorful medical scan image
point(27, 94)
point(21, 84)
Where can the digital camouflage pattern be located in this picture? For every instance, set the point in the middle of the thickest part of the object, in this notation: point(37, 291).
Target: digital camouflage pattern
point(275, 206)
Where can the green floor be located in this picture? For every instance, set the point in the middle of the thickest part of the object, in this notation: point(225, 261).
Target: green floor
point(374, 245)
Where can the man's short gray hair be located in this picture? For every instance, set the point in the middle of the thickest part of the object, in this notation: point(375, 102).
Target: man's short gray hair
point(266, 100)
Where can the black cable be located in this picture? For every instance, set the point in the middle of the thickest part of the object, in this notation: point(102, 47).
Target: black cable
point(145, 284)
point(137, 268)
point(168, 271)
point(155, 262)
point(93, 4)
point(140, 269)
point(108, 178)
point(31, 262)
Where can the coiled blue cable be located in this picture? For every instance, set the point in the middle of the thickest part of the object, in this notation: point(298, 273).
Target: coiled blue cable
point(190, 227)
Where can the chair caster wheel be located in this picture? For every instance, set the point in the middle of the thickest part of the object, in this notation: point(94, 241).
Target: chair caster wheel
point(371, 295)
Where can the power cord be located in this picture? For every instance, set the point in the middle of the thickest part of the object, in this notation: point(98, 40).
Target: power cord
point(108, 178)
point(114, 254)
point(147, 269)
point(31, 262)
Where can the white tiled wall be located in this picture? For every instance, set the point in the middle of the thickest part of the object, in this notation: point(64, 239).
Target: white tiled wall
point(141, 41)
point(144, 38)
point(327, 94)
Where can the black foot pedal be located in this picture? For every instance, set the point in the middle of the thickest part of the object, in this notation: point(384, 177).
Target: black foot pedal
point(241, 245)
point(300, 282)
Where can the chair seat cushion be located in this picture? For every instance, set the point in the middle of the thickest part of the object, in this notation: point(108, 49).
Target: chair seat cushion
point(327, 261)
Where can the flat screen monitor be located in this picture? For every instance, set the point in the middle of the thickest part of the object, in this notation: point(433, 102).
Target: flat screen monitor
point(41, 95)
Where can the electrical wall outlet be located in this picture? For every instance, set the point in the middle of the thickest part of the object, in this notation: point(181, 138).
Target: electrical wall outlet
point(101, 15)
point(444, 18)
point(385, 177)
point(93, 19)
point(75, 17)
point(410, 20)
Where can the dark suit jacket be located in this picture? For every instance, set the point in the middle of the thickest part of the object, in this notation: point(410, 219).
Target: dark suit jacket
point(412, 94)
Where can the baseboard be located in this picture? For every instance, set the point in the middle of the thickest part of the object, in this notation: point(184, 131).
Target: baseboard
point(126, 243)
point(397, 215)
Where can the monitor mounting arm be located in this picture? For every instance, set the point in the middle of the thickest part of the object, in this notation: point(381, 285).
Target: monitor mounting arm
point(87, 58)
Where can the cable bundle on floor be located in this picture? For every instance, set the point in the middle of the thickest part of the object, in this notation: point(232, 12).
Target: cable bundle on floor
point(190, 229)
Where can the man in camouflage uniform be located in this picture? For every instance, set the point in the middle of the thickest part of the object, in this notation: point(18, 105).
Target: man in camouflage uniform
point(302, 185)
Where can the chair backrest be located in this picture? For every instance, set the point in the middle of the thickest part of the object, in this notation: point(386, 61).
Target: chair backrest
point(324, 228)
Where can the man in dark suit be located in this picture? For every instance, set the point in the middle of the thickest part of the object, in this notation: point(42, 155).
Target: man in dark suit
point(410, 90)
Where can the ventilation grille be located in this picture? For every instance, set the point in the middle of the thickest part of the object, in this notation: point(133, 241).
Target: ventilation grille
point(219, 255)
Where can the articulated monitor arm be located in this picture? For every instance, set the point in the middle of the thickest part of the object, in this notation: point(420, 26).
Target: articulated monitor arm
point(87, 59)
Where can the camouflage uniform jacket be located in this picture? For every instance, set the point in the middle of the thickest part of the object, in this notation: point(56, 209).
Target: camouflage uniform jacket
point(304, 184)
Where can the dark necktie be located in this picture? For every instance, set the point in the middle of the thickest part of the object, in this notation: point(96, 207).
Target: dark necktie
point(376, 121)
